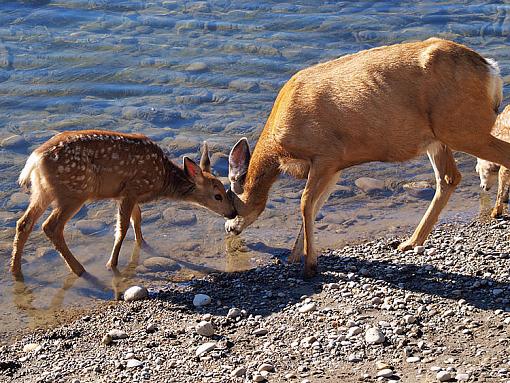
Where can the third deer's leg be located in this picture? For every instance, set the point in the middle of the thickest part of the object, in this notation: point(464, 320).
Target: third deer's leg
point(136, 222)
point(316, 185)
point(298, 248)
point(123, 215)
point(503, 179)
point(54, 229)
point(447, 178)
point(24, 227)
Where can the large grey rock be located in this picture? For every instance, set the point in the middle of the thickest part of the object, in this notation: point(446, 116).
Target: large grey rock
point(201, 300)
point(374, 336)
point(14, 142)
point(135, 293)
point(369, 185)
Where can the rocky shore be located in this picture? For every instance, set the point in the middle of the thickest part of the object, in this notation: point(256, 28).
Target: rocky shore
point(438, 313)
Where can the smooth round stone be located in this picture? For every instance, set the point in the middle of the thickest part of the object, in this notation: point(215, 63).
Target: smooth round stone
point(151, 328)
point(462, 377)
point(31, 347)
point(107, 339)
point(201, 300)
point(90, 226)
point(238, 372)
point(158, 263)
point(134, 363)
point(179, 217)
point(205, 348)
point(117, 334)
point(243, 85)
point(385, 373)
point(197, 67)
point(266, 367)
point(374, 336)
point(307, 307)
point(205, 328)
point(257, 377)
point(369, 185)
point(136, 293)
point(234, 313)
point(14, 142)
point(443, 376)
point(18, 200)
point(413, 359)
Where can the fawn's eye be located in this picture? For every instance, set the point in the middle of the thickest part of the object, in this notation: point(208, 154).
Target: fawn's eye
point(218, 197)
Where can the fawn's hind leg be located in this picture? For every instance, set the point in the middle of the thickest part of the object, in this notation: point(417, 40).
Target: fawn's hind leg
point(124, 213)
point(136, 222)
point(503, 180)
point(54, 229)
point(24, 227)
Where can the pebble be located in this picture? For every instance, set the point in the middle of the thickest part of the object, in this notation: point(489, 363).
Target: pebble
point(374, 336)
point(266, 367)
point(260, 331)
point(159, 264)
point(413, 359)
point(107, 339)
point(201, 300)
point(234, 313)
point(443, 376)
point(31, 347)
point(462, 377)
point(257, 377)
point(308, 307)
point(136, 293)
point(205, 328)
point(419, 249)
point(117, 334)
point(409, 319)
point(385, 373)
point(13, 142)
point(151, 328)
point(238, 372)
point(353, 331)
point(134, 363)
point(205, 348)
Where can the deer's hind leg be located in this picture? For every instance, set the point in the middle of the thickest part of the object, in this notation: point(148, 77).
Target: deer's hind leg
point(298, 248)
point(39, 202)
point(54, 229)
point(136, 222)
point(447, 179)
point(125, 211)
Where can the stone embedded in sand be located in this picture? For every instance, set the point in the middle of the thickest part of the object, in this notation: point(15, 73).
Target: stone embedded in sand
point(117, 334)
point(135, 293)
point(31, 347)
point(238, 372)
point(385, 373)
point(443, 376)
point(201, 300)
point(205, 328)
point(374, 336)
point(307, 307)
point(205, 348)
point(134, 363)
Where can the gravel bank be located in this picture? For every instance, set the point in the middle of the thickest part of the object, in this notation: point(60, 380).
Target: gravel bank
point(438, 313)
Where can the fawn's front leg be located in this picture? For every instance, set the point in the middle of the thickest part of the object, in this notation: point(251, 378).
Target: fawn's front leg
point(126, 206)
point(503, 185)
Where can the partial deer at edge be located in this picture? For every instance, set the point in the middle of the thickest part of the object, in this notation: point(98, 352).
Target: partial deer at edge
point(489, 171)
point(387, 104)
point(75, 167)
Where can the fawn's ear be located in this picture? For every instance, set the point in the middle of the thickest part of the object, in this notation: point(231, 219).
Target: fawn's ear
point(205, 162)
point(238, 162)
point(191, 169)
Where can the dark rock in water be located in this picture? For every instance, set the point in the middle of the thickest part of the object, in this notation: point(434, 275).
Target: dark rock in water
point(90, 226)
point(420, 189)
point(244, 85)
point(179, 217)
point(159, 264)
point(219, 163)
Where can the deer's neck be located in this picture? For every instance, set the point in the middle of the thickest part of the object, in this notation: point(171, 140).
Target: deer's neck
point(262, 173)
point(176, 185)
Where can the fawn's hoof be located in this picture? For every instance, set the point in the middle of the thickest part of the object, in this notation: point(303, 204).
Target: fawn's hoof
point(407, 245)
point(495, 213)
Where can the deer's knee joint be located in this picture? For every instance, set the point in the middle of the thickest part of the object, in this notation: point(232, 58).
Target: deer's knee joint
point(48, 229)
point(22, 224)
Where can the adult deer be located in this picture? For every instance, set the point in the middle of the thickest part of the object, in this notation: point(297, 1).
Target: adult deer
point(74, 167)
point(388, 104)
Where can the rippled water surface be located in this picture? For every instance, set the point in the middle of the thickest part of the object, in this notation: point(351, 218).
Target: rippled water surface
point(181, 72)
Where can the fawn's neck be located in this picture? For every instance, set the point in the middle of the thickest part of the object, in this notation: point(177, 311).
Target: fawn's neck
point(177, 185)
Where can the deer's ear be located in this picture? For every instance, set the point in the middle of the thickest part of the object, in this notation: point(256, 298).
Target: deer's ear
point(205, 162)
point(238, 162)
point(191, 169)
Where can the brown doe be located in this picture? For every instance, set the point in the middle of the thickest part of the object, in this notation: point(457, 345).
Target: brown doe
point(386, 104)
point(489, 171)
point(75, 167)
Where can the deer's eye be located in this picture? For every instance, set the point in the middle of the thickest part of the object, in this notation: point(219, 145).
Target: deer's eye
point(218, 197)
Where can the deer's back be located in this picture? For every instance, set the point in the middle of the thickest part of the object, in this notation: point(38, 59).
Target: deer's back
point(102, 164)
point(387, 103)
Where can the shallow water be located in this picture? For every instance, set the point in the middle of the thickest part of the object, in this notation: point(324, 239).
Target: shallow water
point(181, 72)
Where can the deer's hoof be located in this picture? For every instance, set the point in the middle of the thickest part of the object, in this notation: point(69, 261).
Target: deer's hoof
point(496, 213)
point(406, 245)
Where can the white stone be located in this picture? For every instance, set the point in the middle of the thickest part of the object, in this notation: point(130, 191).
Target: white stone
point(413, 359)
point(257, 377)
point(308, 307)
point(205, 348)
point(234, 313)
point(135, 293)
point(419, 249)
point(134, 363)
point(205, 328)
point(31, 347)
point(462, 377)
point(117, 334)
point(374, 336)
point(201, 300)
point(409, 319)
point(238, 372)
point(385, 373)
point(266, 367)
point(260, 332)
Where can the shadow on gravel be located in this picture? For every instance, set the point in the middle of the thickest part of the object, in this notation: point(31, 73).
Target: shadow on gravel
point(272, 288)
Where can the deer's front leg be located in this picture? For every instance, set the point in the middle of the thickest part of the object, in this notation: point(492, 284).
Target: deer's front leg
point(503, 180)
point(124, 213)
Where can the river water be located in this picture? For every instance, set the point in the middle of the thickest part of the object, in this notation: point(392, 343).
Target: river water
point(181, 72)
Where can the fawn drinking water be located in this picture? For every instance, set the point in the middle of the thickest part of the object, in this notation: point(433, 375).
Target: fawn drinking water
point(79, 166)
